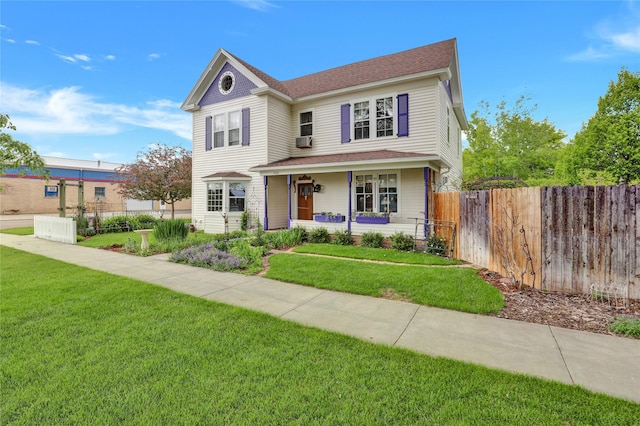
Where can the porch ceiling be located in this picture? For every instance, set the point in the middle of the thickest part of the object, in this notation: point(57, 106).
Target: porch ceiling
point(353, 161)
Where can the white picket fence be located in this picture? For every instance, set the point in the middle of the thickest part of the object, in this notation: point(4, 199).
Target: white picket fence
point(54, 228)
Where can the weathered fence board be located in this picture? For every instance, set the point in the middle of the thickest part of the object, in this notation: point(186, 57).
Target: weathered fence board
point(577, 237)
point(516, 234)
point(474, 227)
point(447, 208)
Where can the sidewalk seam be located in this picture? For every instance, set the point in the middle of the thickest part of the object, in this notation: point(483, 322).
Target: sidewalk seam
point(407, 326)
point(564, 361)
point(303, 303)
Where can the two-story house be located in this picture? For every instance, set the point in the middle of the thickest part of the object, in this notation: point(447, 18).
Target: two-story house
point(376, 136)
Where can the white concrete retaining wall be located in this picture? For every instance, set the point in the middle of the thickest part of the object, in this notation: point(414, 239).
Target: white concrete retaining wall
point(61, 229)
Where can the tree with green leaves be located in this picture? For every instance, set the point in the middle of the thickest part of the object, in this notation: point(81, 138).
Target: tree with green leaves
point(609, 143)
point(509, 142)
point(161, 173)
point(15, 154)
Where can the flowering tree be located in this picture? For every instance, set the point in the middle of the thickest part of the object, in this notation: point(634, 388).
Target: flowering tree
point(162, 173)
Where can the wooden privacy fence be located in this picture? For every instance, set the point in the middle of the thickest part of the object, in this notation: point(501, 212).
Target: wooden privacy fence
point(569, 239)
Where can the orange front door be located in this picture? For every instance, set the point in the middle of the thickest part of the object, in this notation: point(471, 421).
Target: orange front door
point(305, 201)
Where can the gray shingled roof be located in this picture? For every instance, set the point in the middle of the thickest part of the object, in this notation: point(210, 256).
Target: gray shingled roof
point(382, 154)
point(414, 61)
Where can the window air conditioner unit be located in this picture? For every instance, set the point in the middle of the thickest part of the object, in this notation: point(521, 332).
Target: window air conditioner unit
point(304, 142)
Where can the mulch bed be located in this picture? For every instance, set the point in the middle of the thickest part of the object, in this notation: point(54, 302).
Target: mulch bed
point(574, 311)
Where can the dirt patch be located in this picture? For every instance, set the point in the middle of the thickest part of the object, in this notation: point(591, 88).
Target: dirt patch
point(574, 311)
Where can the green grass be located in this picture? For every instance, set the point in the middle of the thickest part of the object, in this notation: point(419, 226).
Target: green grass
point(113, 238)
point(379, 254)
point(102, 349)
point(27, 230)
point(454, 288)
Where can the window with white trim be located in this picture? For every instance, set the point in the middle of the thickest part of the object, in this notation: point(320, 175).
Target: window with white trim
point(306, 123)
point(388, 193)
point(226, 129)
point(384, 120)
point(100, 192)
point(226, 196)
point(384, 117)
point(237, 191)
point(377, 193)
point(234, 128)
point(214, 197)
point(218, 130)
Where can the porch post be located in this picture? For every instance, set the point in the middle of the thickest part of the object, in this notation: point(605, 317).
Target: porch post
point(349, 178)
point(426, 193)
point(288, 201)
point(265, 182)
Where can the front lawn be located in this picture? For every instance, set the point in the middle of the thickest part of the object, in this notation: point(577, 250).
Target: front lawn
point(379, 254)
point(456, 288)
point(103, 349)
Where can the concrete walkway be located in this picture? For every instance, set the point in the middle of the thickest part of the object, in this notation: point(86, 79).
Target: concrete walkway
point(597, 362)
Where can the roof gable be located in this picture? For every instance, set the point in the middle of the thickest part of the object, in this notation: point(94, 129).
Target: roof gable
point(242, 87)
point(437, 59)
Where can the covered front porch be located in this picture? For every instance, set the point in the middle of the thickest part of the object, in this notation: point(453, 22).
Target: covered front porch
point(380, 191)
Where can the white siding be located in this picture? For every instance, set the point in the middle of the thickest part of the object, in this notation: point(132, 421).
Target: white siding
point(279, 130)
point(423, 103)
point(451, 149)
point(278, 204)
point(227, 159)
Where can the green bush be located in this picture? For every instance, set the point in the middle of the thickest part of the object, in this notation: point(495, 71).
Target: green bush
point(146, 221)
point(343, 238)
point(372, 239)
point(627, 325)
point(401, 241)
point(319, 236)
point(119, 223)
point(286, 237)
point(171, 229)
point(436, 245)
point(244, 221)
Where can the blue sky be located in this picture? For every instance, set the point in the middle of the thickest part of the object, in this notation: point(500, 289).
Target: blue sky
point(104, 80)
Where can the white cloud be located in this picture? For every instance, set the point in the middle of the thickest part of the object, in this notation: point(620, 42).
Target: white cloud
point(70, 111)
point(103, 155)
point(153, 56)
point(10, 40)
point(110, 57)
point(614, 36)
point(84, 58)
point(259, 5)
point(66, 58)
point(589, 54)
point(33, 42)
point(627, 40)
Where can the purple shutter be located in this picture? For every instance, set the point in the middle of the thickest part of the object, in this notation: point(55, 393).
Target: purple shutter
point(345, 123)
point(403, 114)
point(245, 126)
point(207, 133)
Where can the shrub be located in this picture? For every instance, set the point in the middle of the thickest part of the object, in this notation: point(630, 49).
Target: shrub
point(436, 245)
point(244, 221)
point(171, 229)
point(258, 237)
point(627, 325)
point(343, 238)
point(119, 223)
point(372, 239)
point(401, 241)
point(207, 256)
point(146, 221)
point(319, 236)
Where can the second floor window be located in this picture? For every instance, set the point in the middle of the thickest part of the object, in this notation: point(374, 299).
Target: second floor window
point(361, 120)
point(218, 131)
point(234, 128)
point(383, 118)
point(306, 123)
